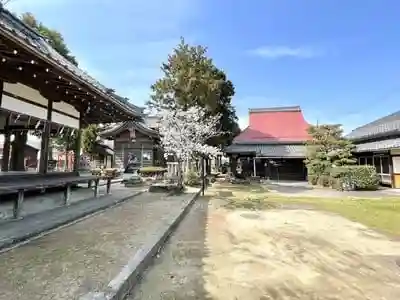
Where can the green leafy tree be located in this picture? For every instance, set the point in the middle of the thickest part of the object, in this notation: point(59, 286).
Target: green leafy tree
point(54, 37)
point(89, 138)
point(326, 149)
point(190, 78)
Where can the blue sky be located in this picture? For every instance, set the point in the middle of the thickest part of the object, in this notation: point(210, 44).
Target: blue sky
point(337, 59)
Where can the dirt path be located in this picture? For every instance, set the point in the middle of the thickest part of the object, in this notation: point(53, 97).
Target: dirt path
point(275, 254)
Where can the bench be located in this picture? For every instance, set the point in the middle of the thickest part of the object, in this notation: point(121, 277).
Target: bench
point(19, 184)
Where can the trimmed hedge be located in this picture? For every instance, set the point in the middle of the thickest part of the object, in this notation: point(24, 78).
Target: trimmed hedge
point(348, 178)
point(192, 178)
point(355, 177)
point(108, 172)
point(152, 171)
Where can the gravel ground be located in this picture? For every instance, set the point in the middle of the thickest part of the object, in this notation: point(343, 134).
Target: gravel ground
point(279, 254)
point(84, 257)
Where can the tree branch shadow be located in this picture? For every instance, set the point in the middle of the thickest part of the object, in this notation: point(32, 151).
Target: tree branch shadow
point(177, 273)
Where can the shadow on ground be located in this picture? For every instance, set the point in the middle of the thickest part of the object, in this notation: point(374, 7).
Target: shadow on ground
point(178, 272)
point(287, 188)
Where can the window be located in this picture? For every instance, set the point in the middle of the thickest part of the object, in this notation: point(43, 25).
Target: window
point(361, 160)
point(385, 164)
point(370, 161)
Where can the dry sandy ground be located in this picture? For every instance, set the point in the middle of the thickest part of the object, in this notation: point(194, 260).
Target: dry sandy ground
point(280, 254)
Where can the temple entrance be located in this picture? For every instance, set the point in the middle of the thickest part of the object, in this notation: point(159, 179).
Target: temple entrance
point(281, 169)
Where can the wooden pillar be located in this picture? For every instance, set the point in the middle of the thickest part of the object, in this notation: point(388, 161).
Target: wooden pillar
point(6, 147)
point(44, 149)
point(391, 170)
point(18, 151)
point(254, 167)
point(78, 143)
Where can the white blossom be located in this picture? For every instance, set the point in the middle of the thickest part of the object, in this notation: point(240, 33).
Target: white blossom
point(184, 133)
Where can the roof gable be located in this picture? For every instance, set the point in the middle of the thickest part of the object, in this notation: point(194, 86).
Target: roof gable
point(121, 127)
point(278, 124)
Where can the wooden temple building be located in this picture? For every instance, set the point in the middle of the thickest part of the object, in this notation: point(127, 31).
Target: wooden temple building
point(42, 93)
point(378, 144)
point(134, 139)
point(273, 144)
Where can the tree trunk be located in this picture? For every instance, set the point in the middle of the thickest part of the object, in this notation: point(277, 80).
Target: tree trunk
point(180, 175)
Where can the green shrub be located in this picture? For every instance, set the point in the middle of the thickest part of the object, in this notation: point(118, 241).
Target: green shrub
point(358, 177)
point(324, 180)
point(192, 178)
point(365, 177)
point(312, 179)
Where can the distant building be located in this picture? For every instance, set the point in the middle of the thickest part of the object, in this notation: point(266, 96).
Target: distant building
point(378, 144)
point(133, 139)
point(273, 144)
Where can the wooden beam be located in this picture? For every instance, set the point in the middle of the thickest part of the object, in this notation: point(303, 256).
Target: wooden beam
point(1, 90)
point(44, 149)
point(78, 144)
point(6, 146)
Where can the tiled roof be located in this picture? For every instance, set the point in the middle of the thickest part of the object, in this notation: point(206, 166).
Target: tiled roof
point(277, 125)
point(120, 127)
point(378, 145)
point(290, 151)
point(386, 126)
point(12, 27)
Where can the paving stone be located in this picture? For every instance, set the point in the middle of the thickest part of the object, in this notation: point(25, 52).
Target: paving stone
point(86, 256)
point(31, 225)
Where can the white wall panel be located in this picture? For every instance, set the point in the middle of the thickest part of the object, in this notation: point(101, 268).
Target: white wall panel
point(25, 92)
point(64, 120)
point(66, 108)
point(396, 164)
point(22, 107)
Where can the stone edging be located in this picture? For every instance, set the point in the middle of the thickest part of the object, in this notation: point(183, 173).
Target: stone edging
point(24, 239)
point(125, 281)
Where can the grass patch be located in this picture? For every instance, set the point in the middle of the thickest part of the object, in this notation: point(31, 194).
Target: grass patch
point(382, 214)
point(250, 203)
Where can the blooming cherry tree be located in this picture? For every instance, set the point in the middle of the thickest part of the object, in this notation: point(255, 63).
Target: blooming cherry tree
point(184, 133)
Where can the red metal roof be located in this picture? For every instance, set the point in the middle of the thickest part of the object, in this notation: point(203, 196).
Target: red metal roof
point(280, 124)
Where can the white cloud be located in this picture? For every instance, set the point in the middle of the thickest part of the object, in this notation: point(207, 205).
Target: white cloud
point(275, 52)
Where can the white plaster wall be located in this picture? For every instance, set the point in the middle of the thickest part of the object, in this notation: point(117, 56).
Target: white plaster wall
point(396, 164)
point(33, 95)
point(25, 92)
point(64, 120)
point(66, 108)
point(21, 107)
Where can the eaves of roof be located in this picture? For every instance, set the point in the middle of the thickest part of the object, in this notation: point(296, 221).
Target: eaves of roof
point(384, 127)
point(120, 127)
point(12, 28)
